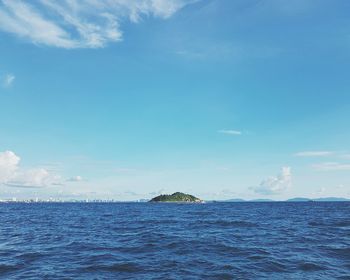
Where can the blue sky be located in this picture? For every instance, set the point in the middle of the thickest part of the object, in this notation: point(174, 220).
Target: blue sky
point(219, 98)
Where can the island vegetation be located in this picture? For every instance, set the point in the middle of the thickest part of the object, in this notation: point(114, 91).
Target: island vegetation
point(176, 197)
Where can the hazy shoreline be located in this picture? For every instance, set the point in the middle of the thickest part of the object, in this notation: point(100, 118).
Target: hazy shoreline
point(33, 201)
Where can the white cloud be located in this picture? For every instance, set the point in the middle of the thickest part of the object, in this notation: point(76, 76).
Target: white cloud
point(8, 165)
point(275, 184)
point(33, 178)
point(75, 179)
point(79, 24)
point(8, 80)
point(314, 154)
point(14, 176)
point(332, 166)
point(230, 132)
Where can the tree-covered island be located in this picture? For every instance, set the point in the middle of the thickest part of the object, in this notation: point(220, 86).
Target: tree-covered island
point(176, 197)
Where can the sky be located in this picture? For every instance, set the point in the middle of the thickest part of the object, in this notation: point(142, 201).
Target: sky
point(128, 99)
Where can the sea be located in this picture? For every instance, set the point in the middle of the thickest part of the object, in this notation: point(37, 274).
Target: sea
point(262, 240)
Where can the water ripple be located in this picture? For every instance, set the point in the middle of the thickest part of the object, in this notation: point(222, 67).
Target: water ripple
point(153, 241)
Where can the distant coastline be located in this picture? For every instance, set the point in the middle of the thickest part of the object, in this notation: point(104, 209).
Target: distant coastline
point(295, 199)
point(235, 200)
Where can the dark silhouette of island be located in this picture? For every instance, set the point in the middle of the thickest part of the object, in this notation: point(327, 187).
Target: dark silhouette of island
point(176, 197)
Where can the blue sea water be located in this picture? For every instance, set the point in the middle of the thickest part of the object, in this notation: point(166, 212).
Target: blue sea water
point(308, 240)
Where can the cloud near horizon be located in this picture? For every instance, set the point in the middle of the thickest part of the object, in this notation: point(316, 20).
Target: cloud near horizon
point(79, 24)
point(75, 179)
point(12, 175)
point(275, 184)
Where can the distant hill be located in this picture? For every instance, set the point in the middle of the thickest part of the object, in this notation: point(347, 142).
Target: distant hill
point(262, 200)
point(243, 200)
point(331, 199)
point(299, 199)
point(176, 197)
point(295, 199)
point(303, 199)
point(234, 200)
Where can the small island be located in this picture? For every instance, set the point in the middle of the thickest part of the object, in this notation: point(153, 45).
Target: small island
point(177, 197)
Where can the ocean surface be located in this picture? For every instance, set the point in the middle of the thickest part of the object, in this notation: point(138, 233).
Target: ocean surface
point(263, 240)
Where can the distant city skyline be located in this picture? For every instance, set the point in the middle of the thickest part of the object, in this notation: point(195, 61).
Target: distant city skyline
point(127, 100)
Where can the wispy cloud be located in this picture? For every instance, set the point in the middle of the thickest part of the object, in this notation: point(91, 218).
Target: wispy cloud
point(275, 184)
point(124, 170)
point(8, 80)
point(313, 154)
point(79, 24)
point(332, 166)
point(320, 191)
point(346, 156)
point(159, 192)
point(230, 132)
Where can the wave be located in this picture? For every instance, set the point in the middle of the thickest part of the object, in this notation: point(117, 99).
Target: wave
point(209, 241)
